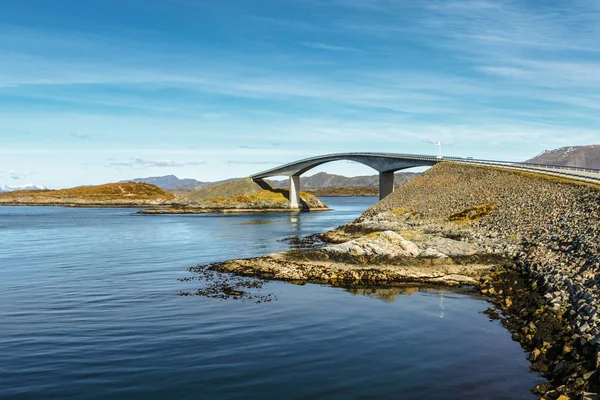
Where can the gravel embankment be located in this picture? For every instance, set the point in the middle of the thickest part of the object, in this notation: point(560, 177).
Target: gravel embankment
point(556, 226)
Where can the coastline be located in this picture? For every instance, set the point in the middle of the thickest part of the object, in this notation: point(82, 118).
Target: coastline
point(156, 211)
point(538, 239)
point(76, 205)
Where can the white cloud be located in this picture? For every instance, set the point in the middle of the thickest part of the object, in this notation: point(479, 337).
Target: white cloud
point(15, 175)
point(502, 71)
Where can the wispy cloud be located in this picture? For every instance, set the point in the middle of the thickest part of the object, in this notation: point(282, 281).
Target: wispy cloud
point(329, 47)
point(237, 162)
point(80, 135)
point(287, 23)
point(139, 163)
point(15, 175)
point(502, 71)
point(213, 115)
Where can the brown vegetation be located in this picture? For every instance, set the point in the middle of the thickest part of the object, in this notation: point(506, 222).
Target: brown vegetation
point(472, 213)
point(119, 194)
point(240, 195)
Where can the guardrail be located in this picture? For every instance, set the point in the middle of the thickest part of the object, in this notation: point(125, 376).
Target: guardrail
point(582, 174)
point(546, 166)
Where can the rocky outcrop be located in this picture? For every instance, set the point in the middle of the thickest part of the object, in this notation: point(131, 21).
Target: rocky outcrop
point(386, 250)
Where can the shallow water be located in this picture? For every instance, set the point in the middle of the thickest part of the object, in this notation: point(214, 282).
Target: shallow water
point(89, 309)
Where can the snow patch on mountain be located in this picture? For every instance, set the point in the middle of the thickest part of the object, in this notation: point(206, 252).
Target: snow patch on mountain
point(27, 186)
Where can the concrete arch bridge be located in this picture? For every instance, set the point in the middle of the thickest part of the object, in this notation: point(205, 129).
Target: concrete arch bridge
point(388, 163)
point(385, 163)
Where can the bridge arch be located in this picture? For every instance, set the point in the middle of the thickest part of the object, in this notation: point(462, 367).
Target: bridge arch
point(385, 163)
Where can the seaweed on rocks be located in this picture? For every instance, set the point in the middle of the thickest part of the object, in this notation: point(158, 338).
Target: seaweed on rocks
point(304, 242)
point(218, 285)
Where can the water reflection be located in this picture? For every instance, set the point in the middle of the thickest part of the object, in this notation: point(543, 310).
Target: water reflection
point(385, 293)
point(390, 294)
point(259, 221)
point(294, 222)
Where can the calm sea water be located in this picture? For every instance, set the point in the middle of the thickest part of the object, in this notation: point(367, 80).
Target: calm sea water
point(89, 309)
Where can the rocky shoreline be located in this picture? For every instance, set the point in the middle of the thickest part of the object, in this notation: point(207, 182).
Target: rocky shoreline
point(529, 242)
point(378, 257)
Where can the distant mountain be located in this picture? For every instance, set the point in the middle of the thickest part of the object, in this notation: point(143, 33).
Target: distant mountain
point(174, 184)
point(323, 180)
point(166, 182)
point(28, 186)
point(574, 156)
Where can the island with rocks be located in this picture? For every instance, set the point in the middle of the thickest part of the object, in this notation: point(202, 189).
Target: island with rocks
point(238, 196)
point(530, 242)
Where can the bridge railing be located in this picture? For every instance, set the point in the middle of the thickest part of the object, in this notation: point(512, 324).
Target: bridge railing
point(536, 165)
point(584, 174)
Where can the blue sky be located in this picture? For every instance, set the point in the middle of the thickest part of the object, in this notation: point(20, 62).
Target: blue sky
point(100, 90)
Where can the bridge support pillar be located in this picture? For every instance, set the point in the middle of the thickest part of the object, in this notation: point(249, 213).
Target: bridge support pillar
point(386, 184)
point(295, 191)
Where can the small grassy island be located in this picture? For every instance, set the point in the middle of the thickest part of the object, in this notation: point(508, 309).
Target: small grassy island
point(240, 195)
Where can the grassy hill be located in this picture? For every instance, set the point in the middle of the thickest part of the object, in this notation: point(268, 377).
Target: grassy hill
point(240, 195)
point(111, 194)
